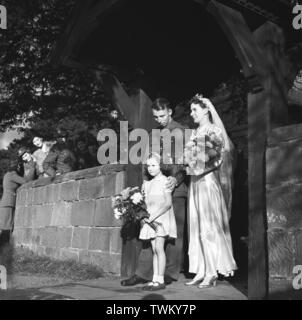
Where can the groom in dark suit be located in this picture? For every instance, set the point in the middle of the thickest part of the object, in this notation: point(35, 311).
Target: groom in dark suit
point(175, 253)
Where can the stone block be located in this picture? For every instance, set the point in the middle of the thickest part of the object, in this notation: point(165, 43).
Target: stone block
point(18, 236)
point(99, 239)
point(36, 236)
point(282, 164)
point(116, 241)
point(25, 218)
point(284, 207)
point(33, 247)
point(69, 191)
point(84, 257)
point(61, 214)
point(41, 251)
point(53, 192)
point(29, 216)
point(120, 182)
point(64, 236)
point(21, 197)
point(110, 263)
point(109, 185)
point(30, 197)
point(39, 234)
point(43, 215)
point(103, 213)
point(53, 253)
point(19, 217)
point(40, 195)
point(69, 254)
point(91, 188)
point(298, 238)
point(80, 238)
point(49, 237)
point(281, 246)
point(285, 133)
point(82, 213)
point(27, 235)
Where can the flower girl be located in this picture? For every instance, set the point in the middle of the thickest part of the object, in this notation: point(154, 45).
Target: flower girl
point(159, 205)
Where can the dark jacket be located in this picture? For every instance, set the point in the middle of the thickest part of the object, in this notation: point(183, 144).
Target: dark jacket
point(11, 182)
point(85, 160)
point(178, 171)
point(59, 160)
point(30, 170)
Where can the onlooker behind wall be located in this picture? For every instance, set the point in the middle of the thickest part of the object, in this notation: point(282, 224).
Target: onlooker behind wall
point(11, 182)
point(60, 158)
point(40, 154)
point(29, 164)
point(85, 154)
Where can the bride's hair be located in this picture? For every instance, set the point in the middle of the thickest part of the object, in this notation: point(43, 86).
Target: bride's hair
point(197, 100)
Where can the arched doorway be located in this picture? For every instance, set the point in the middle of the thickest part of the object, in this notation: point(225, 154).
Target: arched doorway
point(178, 48)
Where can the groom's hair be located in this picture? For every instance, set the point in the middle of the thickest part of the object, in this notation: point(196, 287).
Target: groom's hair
point(161, 104)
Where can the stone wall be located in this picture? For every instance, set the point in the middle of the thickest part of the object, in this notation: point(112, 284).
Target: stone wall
point(71, 217)
point(284, 206)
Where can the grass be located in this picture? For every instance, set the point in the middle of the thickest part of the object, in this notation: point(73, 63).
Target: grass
point(24, 262)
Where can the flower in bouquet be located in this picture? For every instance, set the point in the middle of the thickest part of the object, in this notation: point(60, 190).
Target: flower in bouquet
point(130, 206)
point(137, 198)
point(203, 153)
point(125, 193)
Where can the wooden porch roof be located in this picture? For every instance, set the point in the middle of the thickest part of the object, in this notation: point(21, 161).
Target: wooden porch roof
point(177, 43)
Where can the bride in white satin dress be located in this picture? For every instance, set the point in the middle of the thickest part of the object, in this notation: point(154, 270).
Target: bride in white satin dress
point(209, 204)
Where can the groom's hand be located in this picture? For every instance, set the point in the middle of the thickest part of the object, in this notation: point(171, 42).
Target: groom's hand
point(171, 183)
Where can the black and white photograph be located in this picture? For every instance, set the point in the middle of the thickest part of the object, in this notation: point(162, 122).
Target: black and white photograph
point(151, 150)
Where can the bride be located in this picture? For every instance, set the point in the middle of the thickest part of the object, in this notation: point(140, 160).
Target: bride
point(209, 203)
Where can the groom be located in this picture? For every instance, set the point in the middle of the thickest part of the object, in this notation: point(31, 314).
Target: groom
point(162, 114)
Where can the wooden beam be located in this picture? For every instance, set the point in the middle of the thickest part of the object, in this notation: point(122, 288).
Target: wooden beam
point(270, 39)
point(121, 100)
point(236, 30)
point(64, 46)
point(85, 18)
point(267, 108)
point(254, 67)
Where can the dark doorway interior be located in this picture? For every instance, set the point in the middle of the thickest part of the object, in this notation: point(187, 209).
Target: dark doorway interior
point(173, 48)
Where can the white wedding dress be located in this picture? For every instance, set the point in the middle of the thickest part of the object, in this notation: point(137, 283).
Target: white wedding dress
point(210, 244)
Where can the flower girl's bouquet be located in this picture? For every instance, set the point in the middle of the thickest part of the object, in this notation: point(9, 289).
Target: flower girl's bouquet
point(130, 207)
point(203, 153)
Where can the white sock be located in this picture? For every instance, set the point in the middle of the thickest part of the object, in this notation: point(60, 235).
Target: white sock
point(160, 279)
point(155, 278)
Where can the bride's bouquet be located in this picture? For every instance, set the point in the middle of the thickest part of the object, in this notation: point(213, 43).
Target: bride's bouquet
point(203, 153)
point(130, 207)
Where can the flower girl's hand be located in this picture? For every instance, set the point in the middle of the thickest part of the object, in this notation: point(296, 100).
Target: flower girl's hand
point(143, 221)
point(148, 220)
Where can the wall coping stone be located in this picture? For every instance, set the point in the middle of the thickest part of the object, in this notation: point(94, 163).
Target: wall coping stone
point(106, 169)
point(284, 134)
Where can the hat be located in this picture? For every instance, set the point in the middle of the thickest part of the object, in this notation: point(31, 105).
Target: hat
point(22, 150)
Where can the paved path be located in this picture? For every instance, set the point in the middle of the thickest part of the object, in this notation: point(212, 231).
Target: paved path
point(107, 289)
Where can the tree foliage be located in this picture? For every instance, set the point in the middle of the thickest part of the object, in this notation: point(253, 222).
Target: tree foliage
point(33, 92)
point(35, 97)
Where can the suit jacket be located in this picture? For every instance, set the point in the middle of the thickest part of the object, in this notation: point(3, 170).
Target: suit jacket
point(11, 182)
point(59, 160)
point(178, 171)
point(30, 170)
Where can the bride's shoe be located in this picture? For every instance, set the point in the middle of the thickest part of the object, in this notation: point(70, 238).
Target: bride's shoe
point(195, 281)
point(208, 282)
